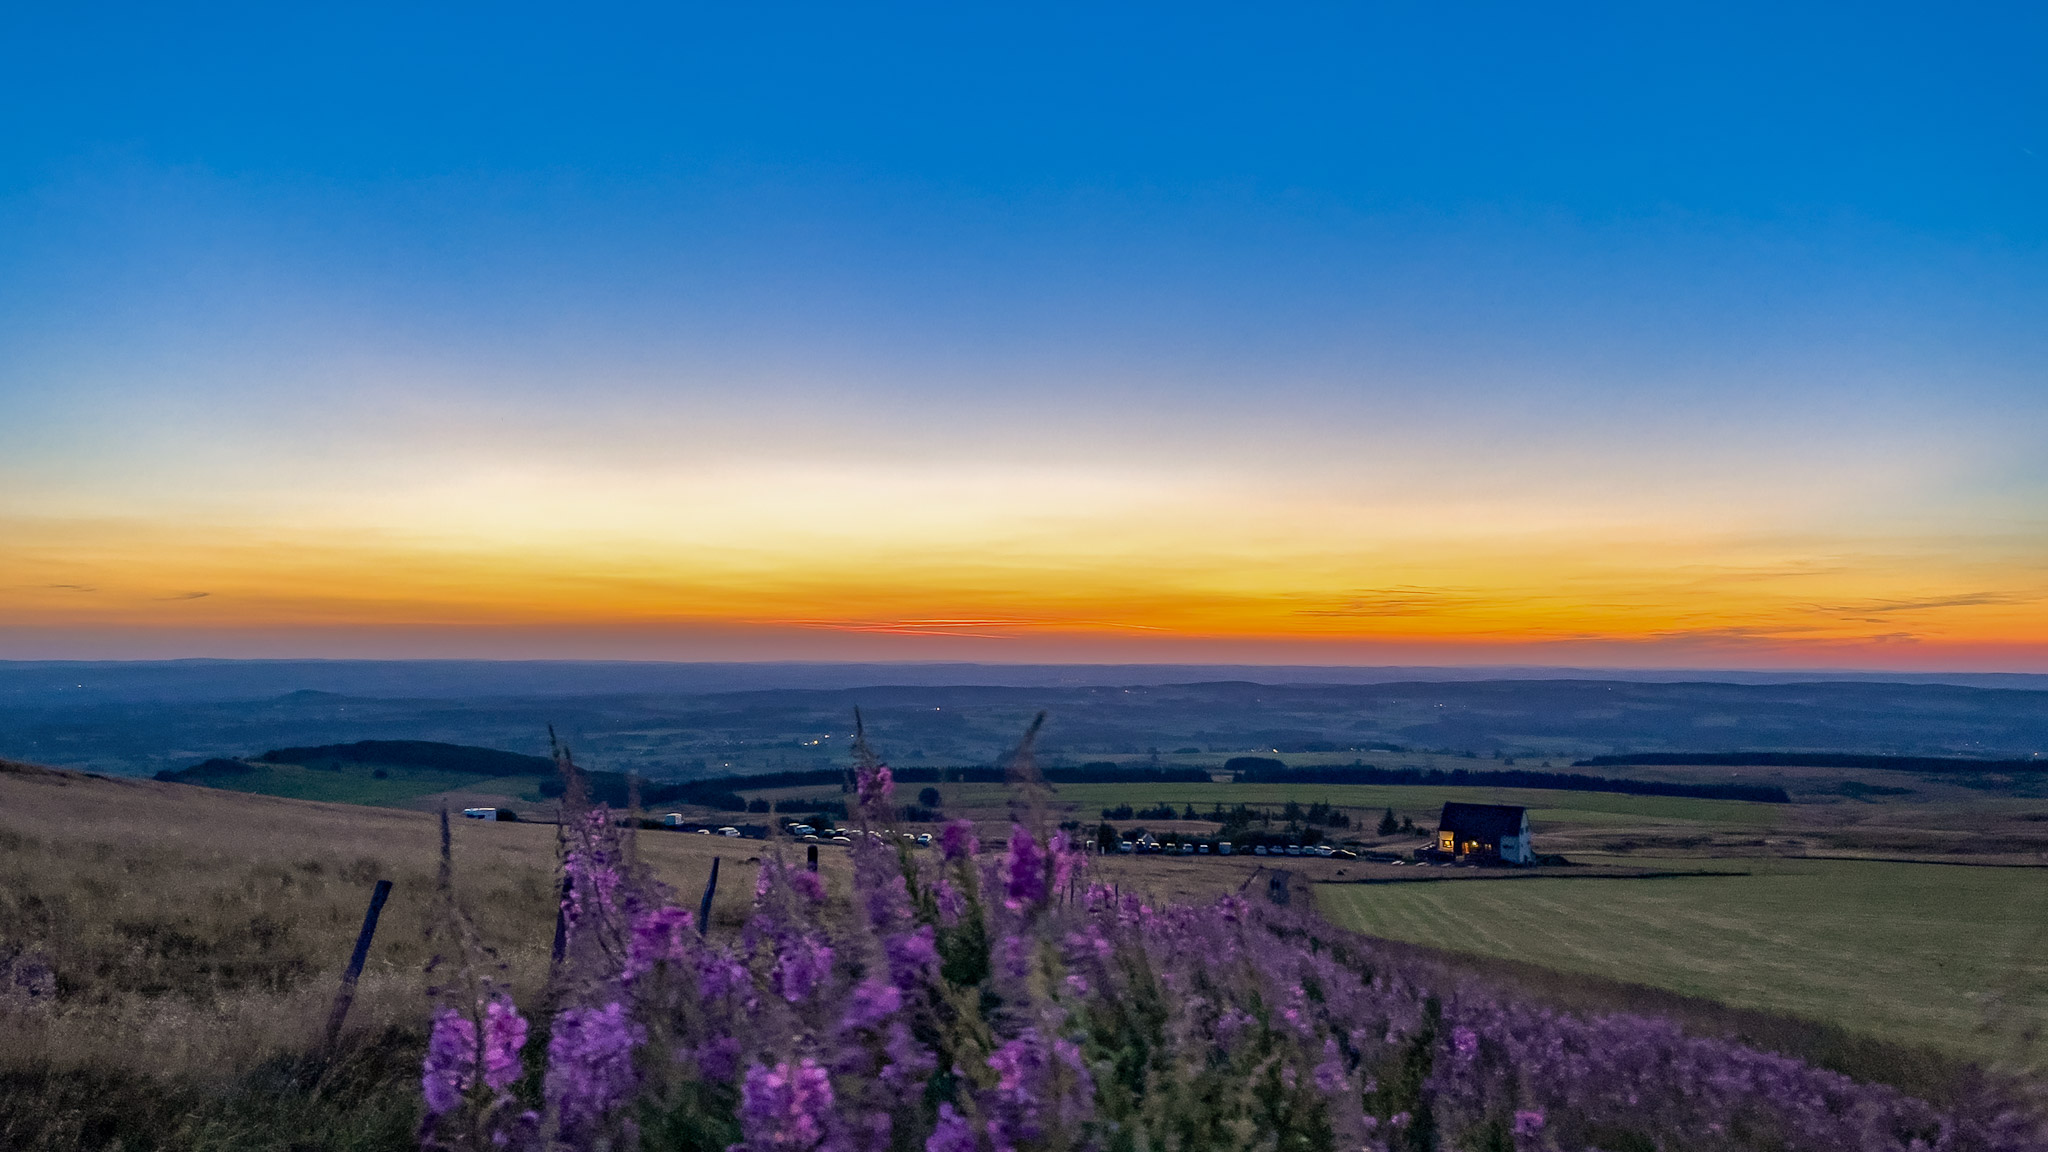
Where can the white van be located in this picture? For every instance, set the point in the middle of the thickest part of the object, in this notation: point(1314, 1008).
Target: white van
point(481, 813)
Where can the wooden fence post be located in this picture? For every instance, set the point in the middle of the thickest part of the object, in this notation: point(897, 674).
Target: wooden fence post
point(1277, 887)
point(811, 857)
point(561, 925)
point(347, 995)
point(704, 909)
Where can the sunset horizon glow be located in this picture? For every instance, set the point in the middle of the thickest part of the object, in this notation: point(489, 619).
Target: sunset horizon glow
point(1708, 341)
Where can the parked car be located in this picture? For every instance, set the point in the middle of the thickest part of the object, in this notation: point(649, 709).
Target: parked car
point(728, 830)
point(925, 839)
point(842, 839)
point(1125, 847)
point(481, 813)
point(1259, 850)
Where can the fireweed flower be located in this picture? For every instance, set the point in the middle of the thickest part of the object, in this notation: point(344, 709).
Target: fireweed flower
point(1024, 871)
point(953, 1134)
point(808, 885)
point(786, 1108)
point(1246, 998)
point(872, 1002)
point(952, 903)
point(1039, 1085)
point(957, 840)
point(590, 1063)
point(451, 1061)
point(913, 955)
point(450, 1068)
point(1465, 1041)
point(592, 867)
point(1066, 860)
point(801, 964)
point(1330, 1073)
point(504, 1036)
point(664, 935)
point(874, 786)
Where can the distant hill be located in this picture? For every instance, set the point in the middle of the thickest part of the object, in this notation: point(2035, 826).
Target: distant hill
point(375, 772)
point(675, 735)
point(414, 754)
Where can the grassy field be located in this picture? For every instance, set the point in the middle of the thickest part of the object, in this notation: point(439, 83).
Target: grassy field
point(194, 939)
point(196, 936)
point(1952, 956)
point(364, 783)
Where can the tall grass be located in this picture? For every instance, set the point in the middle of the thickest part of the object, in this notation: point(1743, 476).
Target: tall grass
point(168, 956)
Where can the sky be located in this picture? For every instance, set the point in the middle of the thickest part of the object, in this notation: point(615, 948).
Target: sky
point(1678, 335)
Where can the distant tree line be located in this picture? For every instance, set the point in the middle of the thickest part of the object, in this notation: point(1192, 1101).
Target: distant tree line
point(1239, 817)
point(1814, 760)
point(1505, 778)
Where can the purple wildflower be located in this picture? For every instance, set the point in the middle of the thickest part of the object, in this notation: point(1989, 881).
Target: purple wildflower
point(910, 1062)
point(450, 1069)
point(719, 1059)
point(872, 1002)
point(1065, 860)
point(1038, 1086)
point(957, 840)
point(785, 1107)
point(504, 1036)
point(802, 964)
point(954, 1133)
point(451, 1061)
point(590, 1063)
point(875, 786)
point(663, 935)
point(1528, 1122)
point(952, 903)
point(1465, 1040)
point(913, 955)
point(809, 885)
point(1024, 875)
point(1329, 1074)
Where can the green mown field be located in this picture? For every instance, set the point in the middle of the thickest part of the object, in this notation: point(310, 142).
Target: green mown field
point(1949, 956)
point(359, 784)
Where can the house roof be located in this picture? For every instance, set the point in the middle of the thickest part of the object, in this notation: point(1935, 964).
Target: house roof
point(1486, 822)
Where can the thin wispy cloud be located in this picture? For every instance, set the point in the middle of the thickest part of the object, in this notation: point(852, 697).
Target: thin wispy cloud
point(1397, 602)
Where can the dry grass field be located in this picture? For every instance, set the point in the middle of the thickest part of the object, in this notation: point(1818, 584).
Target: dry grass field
point(194, 940)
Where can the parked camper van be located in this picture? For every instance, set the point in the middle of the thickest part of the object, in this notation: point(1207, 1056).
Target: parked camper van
point(481, 813)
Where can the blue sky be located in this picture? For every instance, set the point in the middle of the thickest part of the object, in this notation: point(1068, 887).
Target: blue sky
point(1774, 271)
